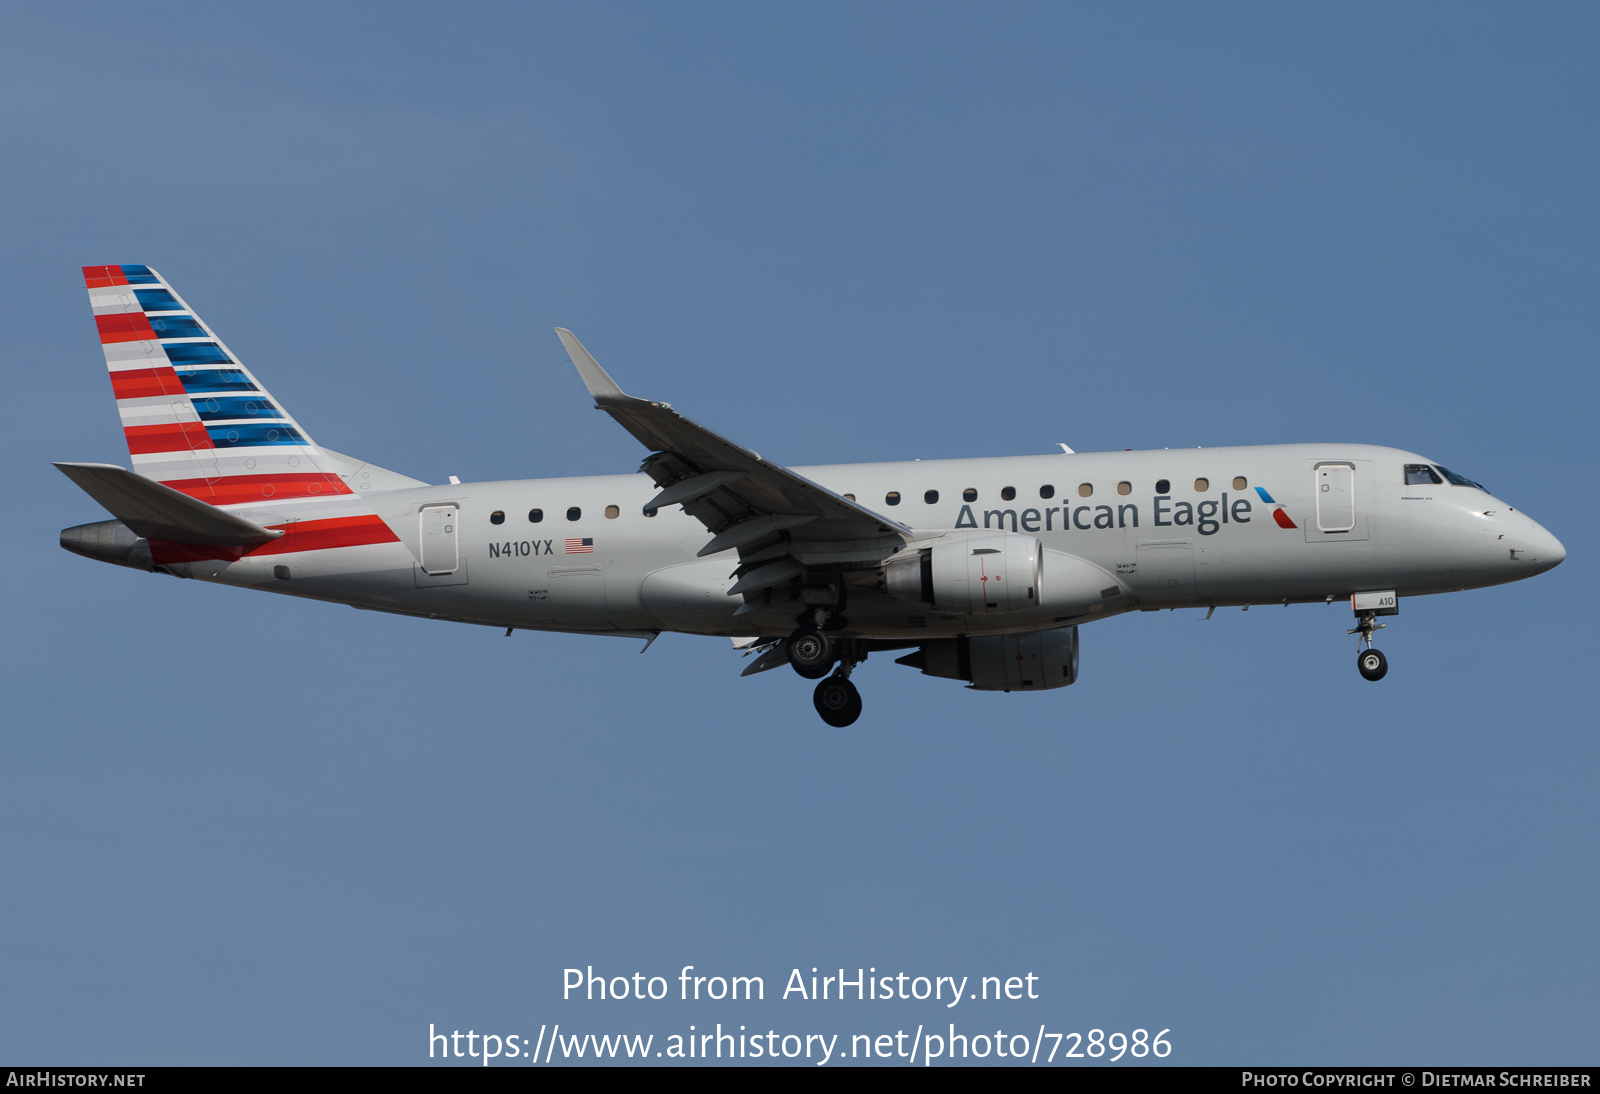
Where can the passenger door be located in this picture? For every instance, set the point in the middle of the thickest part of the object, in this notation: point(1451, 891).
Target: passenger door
point(1336, 497)
point(440, 553)
point(1342, 492)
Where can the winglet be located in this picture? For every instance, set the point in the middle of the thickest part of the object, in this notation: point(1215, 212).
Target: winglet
point(600, 384)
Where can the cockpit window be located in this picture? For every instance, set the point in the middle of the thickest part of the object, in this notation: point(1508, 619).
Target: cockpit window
point(1461, 480)
point(1420, 474)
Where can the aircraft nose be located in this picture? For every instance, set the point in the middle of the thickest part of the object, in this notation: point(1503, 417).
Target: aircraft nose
point(1546, 550)
point(1551, 552)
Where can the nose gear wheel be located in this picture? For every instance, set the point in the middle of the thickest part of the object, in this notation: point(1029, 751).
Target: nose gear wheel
point(1370, 663)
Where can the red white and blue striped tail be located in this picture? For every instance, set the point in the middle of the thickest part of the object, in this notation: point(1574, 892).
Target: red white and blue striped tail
point(195, 418)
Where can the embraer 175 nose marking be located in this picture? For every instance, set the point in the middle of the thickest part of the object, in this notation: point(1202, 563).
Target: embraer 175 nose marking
point(711, 539)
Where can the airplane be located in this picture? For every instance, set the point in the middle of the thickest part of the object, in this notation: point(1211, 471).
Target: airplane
point(983, 568)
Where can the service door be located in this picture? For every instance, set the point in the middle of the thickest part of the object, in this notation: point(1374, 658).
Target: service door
point(576, 594)
point(1164, 572)
point(1336, 497)
point(439, 552)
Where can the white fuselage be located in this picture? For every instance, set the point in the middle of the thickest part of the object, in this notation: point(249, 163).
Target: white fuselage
point(1350, 524)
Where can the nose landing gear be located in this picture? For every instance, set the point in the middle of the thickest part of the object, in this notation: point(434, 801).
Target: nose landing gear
point(1371, 663)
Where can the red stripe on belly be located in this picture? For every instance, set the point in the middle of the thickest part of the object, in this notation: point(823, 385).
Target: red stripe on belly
point(322, 535)
point(304, 535)
point(165, 551)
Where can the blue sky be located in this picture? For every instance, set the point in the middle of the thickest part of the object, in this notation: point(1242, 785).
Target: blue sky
point(239, 828)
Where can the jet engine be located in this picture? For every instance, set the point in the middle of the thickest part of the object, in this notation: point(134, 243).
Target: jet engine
point(975, 575)
point(1036, 661)
point(999, 574)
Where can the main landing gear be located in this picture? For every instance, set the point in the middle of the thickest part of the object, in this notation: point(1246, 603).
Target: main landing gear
point(810, 652)
point(837, 700)
point(814, 653)
point(1371, 663)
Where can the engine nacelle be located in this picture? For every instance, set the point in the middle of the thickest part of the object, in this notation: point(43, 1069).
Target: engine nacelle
point(975, 575)
point(999, 574)
point(1036, 661)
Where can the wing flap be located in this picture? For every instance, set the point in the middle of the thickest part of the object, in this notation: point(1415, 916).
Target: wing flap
point(693, 489)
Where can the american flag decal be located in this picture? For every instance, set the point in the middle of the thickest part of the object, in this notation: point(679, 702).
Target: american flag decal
point(583, 546)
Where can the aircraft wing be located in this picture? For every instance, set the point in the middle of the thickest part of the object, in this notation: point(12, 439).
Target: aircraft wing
point(745, 501)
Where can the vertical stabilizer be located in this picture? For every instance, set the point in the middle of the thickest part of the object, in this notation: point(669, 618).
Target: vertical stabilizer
point(199, 423)
point(195, 418)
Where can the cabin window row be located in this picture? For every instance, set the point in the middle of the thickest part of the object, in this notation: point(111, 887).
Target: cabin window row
point(1085, 490)
point(930, 497)
point(536, 516)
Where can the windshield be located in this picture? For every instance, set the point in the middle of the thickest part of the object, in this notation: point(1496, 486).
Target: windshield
point(1461, 480)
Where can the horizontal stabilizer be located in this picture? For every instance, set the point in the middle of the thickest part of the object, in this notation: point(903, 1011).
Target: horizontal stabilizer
point(155, 511)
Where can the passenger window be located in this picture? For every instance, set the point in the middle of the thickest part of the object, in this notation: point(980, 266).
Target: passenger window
point(1202, 485)
point(1008, 493)
point(1124, 488)
point(931, 497)
point(969, 494)
point(1047, 492)
point(892, 498)
point(497, 517)
point(1163, 486)
point(535, 516)
point(1420, 474)
point(1085, 491)
point(1240, 482)
point(612, 512)
point(574, 513)
point(850, 497)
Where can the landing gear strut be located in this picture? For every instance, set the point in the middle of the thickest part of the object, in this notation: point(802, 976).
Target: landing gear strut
point(1371, 663)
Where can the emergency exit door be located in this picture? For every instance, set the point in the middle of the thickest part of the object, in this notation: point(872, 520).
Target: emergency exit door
point(439, 552)
point(1336, 497)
